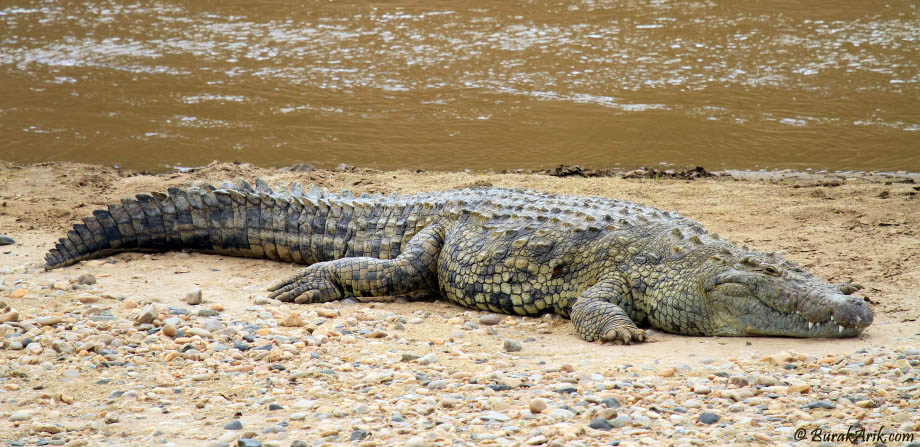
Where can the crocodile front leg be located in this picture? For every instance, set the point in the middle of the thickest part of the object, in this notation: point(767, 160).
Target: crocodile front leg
point(414, 269)
point(597, 318)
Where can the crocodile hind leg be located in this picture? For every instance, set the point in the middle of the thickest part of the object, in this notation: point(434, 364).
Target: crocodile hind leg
point(414, 269)
point(597, 318)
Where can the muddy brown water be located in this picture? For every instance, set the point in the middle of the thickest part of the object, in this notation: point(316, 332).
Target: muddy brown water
point(452, 85)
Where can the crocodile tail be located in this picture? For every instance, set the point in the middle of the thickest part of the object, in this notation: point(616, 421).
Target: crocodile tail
point(296, 226)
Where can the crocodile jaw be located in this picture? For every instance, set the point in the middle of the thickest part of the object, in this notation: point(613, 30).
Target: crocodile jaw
point(759, 307)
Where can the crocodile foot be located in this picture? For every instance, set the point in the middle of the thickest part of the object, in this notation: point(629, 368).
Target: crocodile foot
point(314, 284)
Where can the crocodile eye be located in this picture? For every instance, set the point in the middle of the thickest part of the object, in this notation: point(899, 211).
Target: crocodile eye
point(770, 270)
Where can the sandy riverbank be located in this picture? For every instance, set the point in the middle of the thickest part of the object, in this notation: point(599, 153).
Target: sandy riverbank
point(859, 228)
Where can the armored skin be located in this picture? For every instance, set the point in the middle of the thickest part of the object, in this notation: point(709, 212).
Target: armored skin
point(606, 264)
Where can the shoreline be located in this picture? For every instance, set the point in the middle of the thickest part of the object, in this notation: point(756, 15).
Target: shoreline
point(94, 372)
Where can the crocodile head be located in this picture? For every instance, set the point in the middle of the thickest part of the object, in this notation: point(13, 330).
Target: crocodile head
point(762, 294)
point(713, 287)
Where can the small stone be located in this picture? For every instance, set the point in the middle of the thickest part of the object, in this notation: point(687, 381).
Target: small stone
point(163, 380)
point(326, 313)
point(86, 279)
point(611, 402)
point(8, 317)
point(802, 389)
point(512, 345)
point(377, 333)
point(169, 330)
point(537, 440)
point(248, 442)
point(6, 240)
point(49, 320)
point(416, 441)
point(666, 372)
point(111, 418)
point(20, 416)
point(212, 325)
point(66, 398)
point(494, 416)
point(409, 356)
point(621, 421)
point(18, 293)
point(234, 425)
point(607, 413)
point(358, 435)
point(692, 403)
point(297, 416)
point(193, 296)
point(561, 414)
point(823, 404)
point(292, 320)
point(600, 424)
point(701, 389)
point(87, 299)
point(708, 418)
point(47, 428)
point(299, 443)
point(147, 315)
point(762, 437)
point(428, 359)
point(62, 285)
point(35, 348)
point(537, 405)
point(739, 380)
point(490, 319)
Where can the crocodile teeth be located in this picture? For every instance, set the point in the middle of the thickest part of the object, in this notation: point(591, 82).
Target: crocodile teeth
point(810, 324)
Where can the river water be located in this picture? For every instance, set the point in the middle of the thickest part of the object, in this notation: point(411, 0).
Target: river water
point(742, 84)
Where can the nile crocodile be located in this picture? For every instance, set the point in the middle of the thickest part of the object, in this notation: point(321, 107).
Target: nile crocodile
point(606, 264)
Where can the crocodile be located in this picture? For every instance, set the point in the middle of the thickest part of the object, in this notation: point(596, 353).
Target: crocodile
point(611, 266)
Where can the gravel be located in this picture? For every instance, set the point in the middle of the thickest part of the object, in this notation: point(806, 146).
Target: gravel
point(274, 374)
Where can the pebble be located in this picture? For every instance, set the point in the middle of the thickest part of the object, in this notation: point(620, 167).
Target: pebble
point(20, 416)
point(234, 425)
point(600, 424)
point(494, 416)
point(708, 418)
point(537, 405)
point(292, 320)
point(212, 325)
point(428, 359)
point(246, 442)
point(825, 404)
point(621, 421)
point(49, 320)
point(6, 240)
point(561, 414)
point(169, 330)
point(490, 319)
point(86, 279)
point(18, 293)
point(147, 314)
point(193, 296)
point(512, 345)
